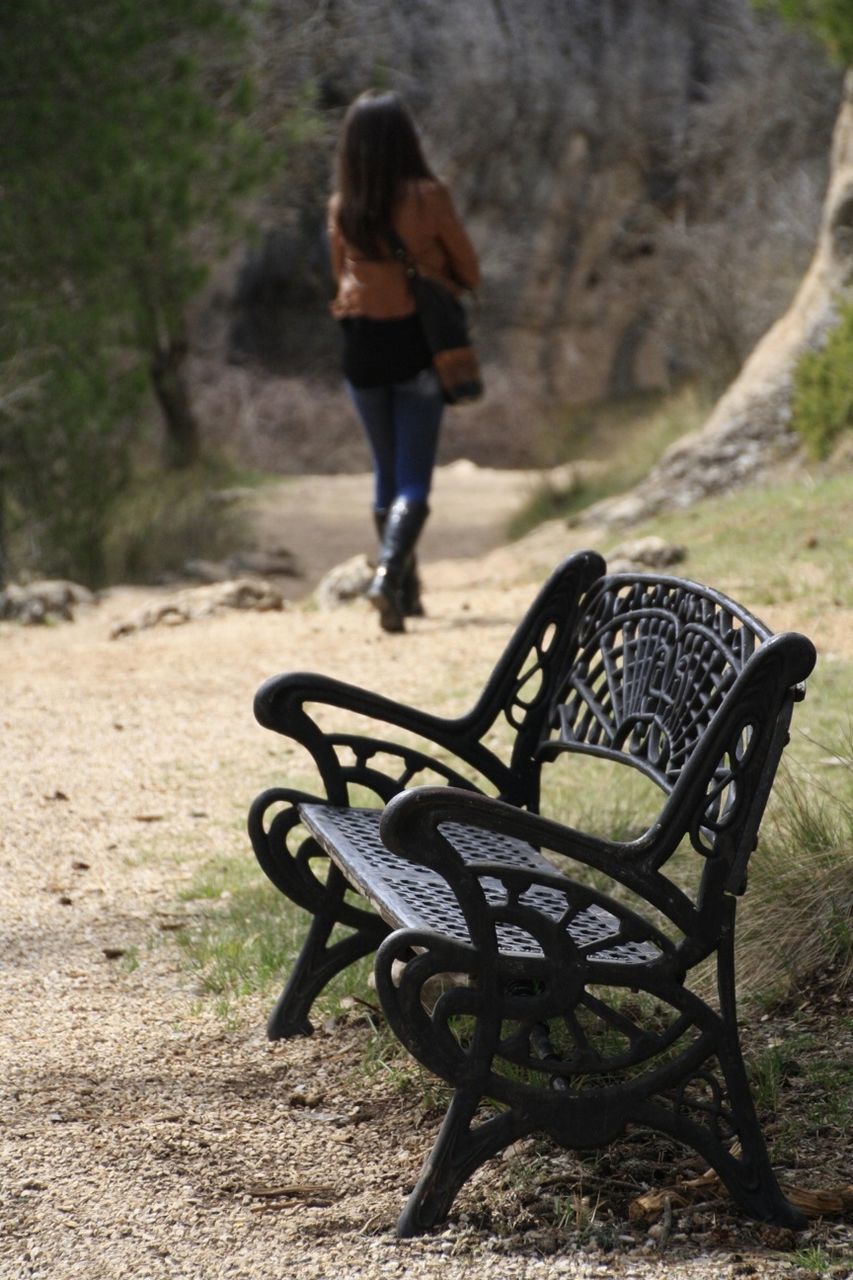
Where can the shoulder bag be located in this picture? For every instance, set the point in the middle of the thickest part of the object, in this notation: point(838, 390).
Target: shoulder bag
point(445, 327)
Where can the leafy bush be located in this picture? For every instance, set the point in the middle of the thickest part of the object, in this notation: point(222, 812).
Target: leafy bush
point(166, 518)
point(823, 389)
point(830, 21)
point(65, 441)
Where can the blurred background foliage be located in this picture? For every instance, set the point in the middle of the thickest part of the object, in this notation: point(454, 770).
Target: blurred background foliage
point(128, 151)
point(645, 195)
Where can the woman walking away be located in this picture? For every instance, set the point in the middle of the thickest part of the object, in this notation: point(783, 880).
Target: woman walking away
point(387, 195)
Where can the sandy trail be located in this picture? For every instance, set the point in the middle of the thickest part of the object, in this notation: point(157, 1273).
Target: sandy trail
point(141, 1131)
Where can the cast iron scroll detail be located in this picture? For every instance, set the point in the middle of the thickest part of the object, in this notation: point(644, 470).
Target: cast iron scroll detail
point(350, 764)
point(517, 984)
point(575, 1037)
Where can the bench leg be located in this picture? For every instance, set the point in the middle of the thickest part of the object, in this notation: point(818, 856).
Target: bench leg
point(724, 1128)
point(739, 1156)
point(749, 1178)
point(458, 1152)
point(318, 963)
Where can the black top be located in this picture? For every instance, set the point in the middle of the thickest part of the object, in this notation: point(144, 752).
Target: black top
point(380, 352)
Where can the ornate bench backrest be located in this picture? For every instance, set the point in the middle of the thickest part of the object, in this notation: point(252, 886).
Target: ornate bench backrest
point(651, 662)
point(650, 681)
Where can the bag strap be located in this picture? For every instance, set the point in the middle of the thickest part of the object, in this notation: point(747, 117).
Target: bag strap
point(401, 253)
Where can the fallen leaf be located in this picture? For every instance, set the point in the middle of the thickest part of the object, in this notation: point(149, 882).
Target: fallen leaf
point(296, 1191)
point(820, 1204)
point(814, 1204)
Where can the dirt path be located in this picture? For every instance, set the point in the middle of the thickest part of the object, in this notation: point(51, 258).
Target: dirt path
point(143, 1134)
point(323, 520)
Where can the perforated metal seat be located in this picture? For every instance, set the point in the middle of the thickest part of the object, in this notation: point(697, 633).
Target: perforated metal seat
point(410, 896)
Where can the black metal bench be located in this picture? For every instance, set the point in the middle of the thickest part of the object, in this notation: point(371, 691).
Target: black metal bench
point(578, 1006)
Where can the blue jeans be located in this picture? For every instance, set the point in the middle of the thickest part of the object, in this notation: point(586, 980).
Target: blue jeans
point(402, 421)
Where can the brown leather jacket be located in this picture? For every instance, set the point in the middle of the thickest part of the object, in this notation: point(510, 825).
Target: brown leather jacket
point(428, 225)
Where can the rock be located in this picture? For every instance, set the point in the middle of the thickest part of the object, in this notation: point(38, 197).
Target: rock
point(279, 563)
point(645, 553)
point(263, 564)
point(345, 583)
point(203, 602)
point(207, 570)
point(49, 600)
point(749, 430)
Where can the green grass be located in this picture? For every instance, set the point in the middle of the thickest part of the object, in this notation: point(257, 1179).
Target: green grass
point(814, 1260)
point(806, 1067)
point(165, 518)
point(245, 938)
point(787, 544)
point(797, 919)
point(622, 439)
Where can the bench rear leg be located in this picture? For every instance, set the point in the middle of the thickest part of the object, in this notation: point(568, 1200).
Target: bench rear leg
point(721, 1122)
point(749, 1178)
point(318, 963)
point(459, 1151)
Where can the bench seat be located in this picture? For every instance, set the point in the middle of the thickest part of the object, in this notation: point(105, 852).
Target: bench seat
point(408, 895)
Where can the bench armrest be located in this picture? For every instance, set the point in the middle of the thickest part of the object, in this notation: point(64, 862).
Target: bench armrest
point(280, 705)
point(521, 688)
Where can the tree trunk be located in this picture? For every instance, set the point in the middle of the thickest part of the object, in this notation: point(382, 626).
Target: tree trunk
point(749, 428)
point(182, 443)
point(4, 566)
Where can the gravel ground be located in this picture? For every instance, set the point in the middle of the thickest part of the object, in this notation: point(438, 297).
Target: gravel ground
point(143, 1134)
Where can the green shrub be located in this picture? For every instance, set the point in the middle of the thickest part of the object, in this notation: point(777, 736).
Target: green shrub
point(167, 518)
point(823, 389)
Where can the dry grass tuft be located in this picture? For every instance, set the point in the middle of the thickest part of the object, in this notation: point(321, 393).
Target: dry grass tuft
point(798, 917)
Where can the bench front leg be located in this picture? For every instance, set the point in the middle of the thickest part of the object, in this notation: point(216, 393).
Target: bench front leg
point(459, 1150)
point(463, 1144)
point(274, 824)
point(318, 962)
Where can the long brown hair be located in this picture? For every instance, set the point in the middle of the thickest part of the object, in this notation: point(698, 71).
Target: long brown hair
point(379, 150)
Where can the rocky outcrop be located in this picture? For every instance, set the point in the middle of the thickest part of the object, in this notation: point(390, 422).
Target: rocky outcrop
point(262, 564)
point(643, 183)
point(749, 428)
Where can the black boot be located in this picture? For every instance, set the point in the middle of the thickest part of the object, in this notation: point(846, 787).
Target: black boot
point(380, 515)
point(410, 588)
point(402, 526)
